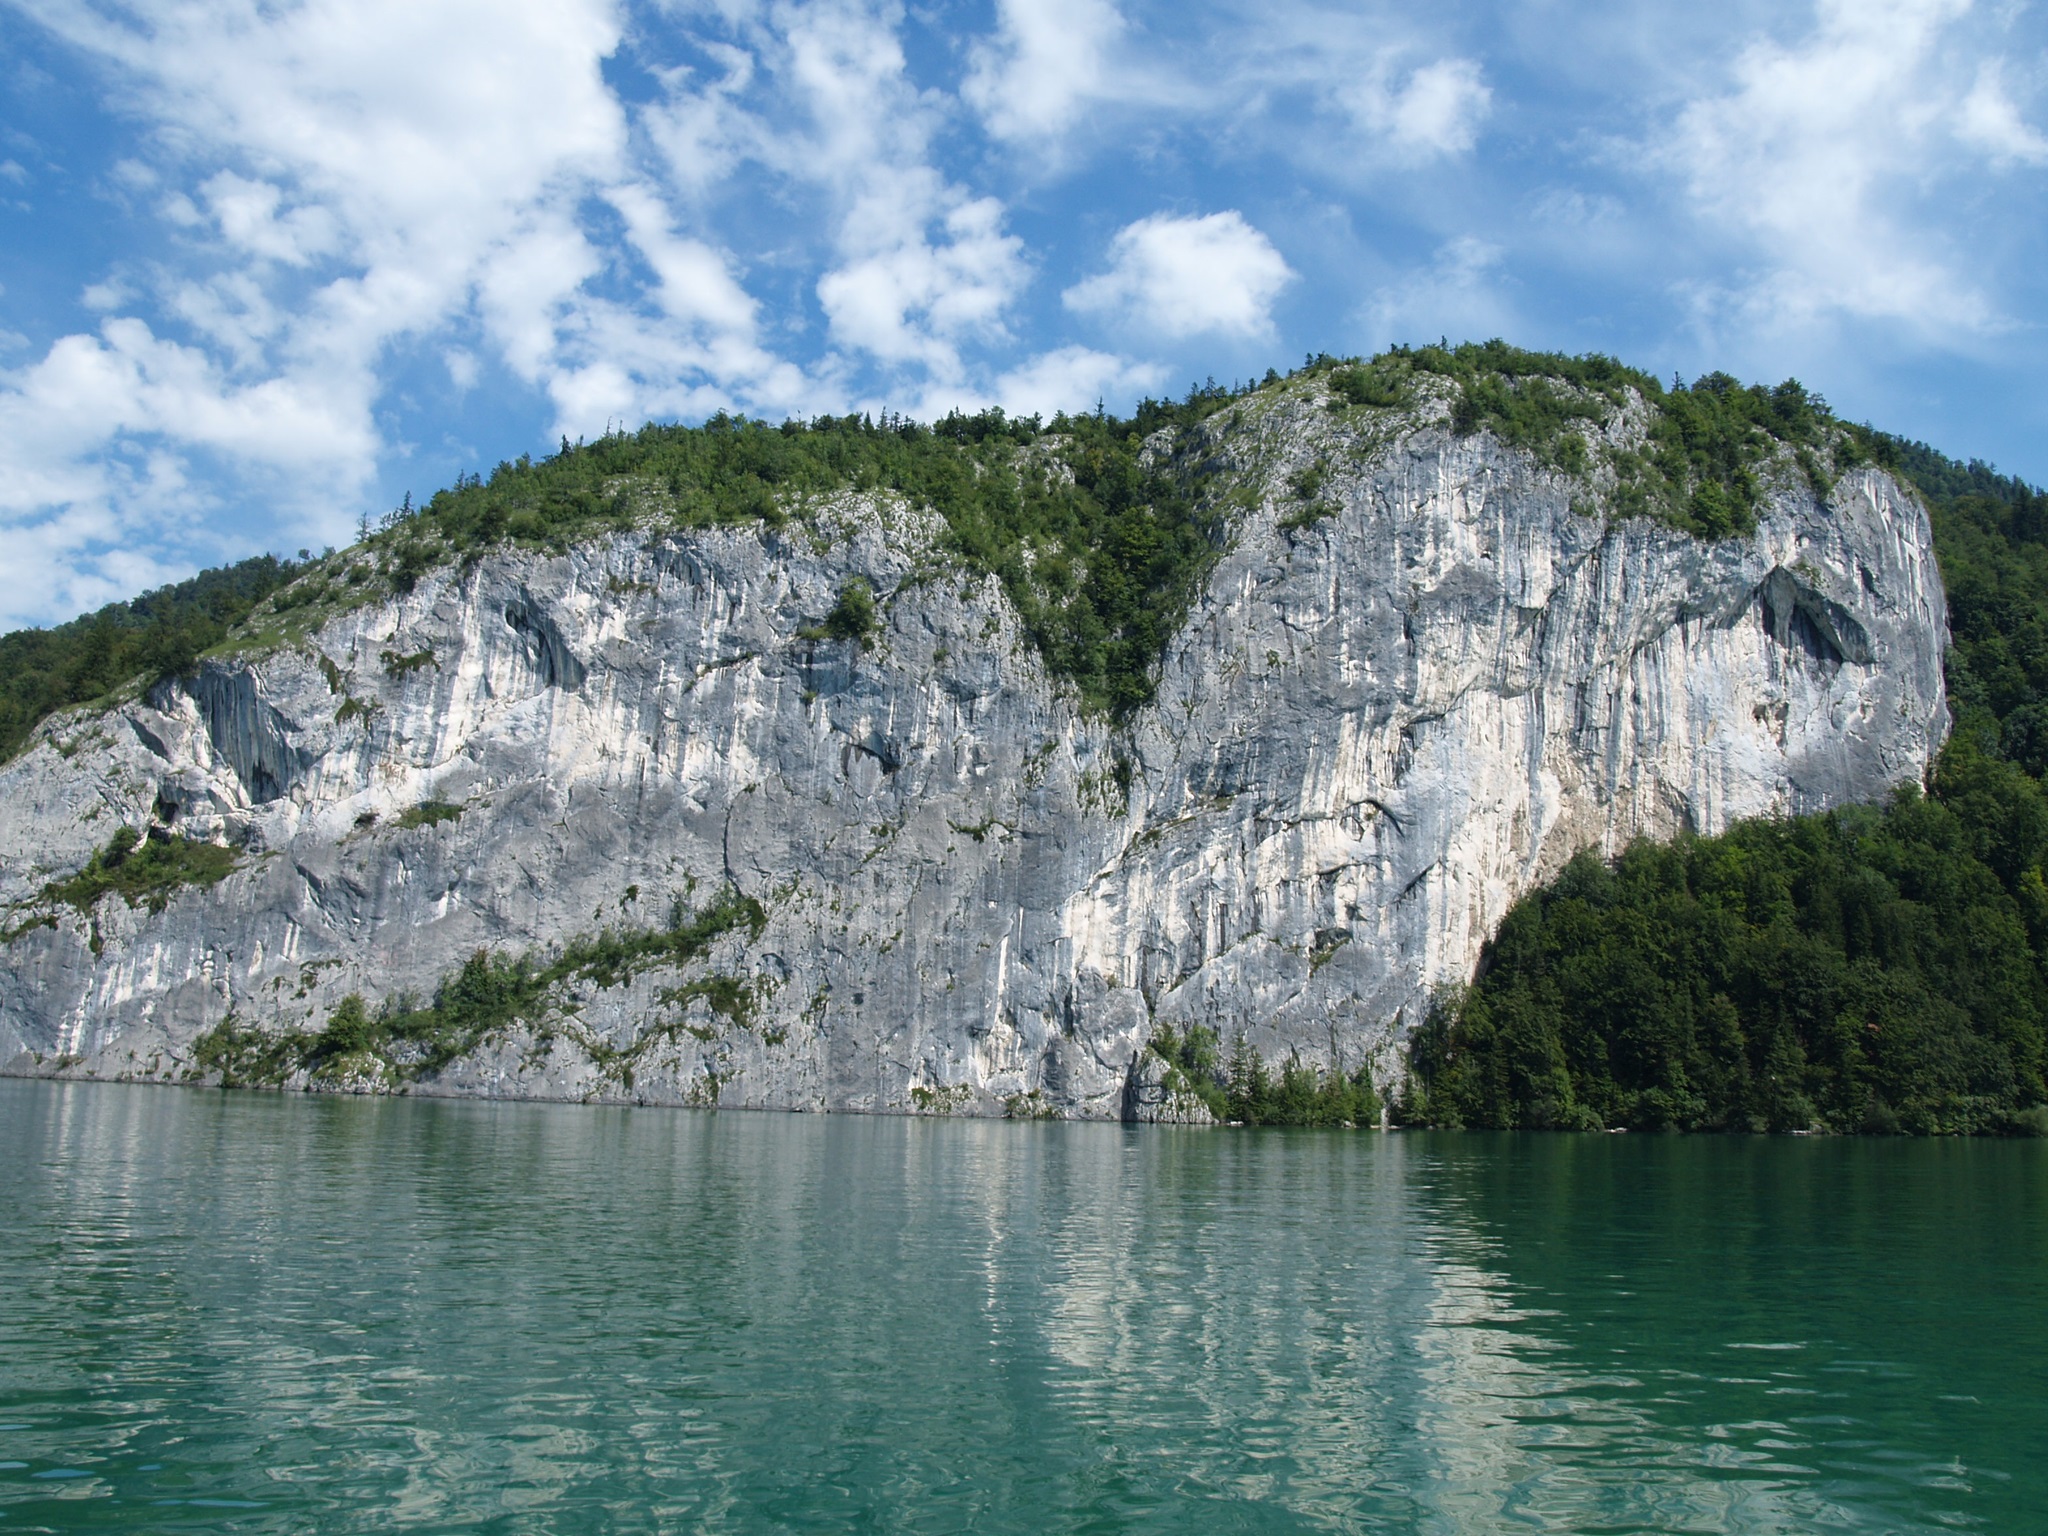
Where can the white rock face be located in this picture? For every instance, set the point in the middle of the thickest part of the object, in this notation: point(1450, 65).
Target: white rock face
point(1372, 734)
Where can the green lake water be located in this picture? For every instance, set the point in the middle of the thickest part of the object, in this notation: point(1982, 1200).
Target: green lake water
point(251, 1312)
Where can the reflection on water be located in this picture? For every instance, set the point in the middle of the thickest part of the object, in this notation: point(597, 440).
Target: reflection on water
point(275, 1314)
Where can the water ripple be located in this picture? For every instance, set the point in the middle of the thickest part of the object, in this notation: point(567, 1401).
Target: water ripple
point(275, 1314)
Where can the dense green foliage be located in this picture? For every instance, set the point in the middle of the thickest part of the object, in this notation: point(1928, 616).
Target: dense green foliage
point(1871, 969)
point(428, 813)
point(45, 670)
point(853, 617)
point(1698, 470)
point(486, 997)
point(1246, 1090)
point(1860, 970)
point(143, 871)
point(1991, 537)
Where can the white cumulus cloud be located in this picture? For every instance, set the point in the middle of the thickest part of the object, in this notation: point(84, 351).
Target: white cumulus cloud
point(1815, 150)
point(1187, 276)
point(918, 269)
point(915, 288)
point(96, 438)
point(921, 264)
point(1992, 123)
point(1073, 379)
point(1459, 292)
point(1048, 60)
point(346, 178)
point(1435, 112)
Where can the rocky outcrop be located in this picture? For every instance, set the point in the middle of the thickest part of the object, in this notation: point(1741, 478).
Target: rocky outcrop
point(1385, 717)
point(1159, 1093)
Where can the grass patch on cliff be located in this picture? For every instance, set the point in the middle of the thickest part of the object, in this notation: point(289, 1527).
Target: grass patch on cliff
point(428, 813)
point(398, 664)
point(405, 1040)
point(853, 617)
point(143, 871)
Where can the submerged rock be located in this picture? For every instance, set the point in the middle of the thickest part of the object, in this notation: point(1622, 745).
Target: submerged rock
point(1385, 717)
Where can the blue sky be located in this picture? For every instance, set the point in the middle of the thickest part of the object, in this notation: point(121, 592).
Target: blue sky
point(265, 267)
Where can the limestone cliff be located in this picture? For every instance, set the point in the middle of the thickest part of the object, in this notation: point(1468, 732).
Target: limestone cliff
point(1387, 714)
